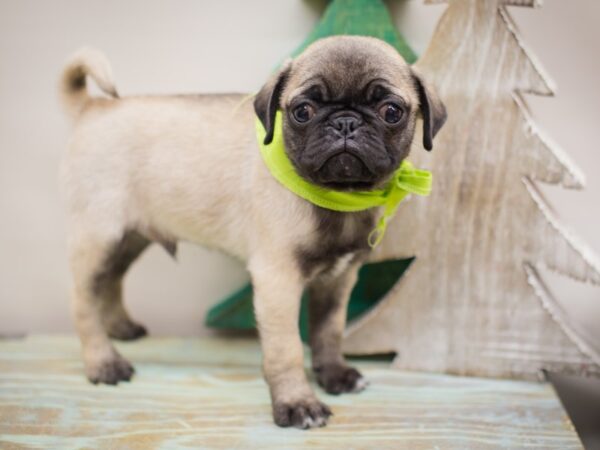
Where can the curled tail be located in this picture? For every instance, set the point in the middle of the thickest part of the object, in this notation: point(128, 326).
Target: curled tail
point(73, 90)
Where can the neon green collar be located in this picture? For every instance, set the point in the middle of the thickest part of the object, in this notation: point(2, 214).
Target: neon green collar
point(405, 180)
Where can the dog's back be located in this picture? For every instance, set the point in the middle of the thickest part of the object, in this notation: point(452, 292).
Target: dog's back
point(130, 158)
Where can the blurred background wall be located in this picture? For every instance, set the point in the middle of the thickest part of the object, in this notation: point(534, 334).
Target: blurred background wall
point(184, 46)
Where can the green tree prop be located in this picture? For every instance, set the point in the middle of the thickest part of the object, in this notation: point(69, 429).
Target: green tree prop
point(359, 18)
point(354, 17)
point(374, 281)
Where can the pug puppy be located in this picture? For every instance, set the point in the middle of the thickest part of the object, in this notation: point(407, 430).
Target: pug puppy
point(187, 168)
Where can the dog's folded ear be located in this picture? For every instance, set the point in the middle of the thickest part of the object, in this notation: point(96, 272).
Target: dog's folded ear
point(432, 109)
point(266, 101)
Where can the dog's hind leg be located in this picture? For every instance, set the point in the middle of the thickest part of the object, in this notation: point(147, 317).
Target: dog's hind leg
point(109, 284)
point(98, 263)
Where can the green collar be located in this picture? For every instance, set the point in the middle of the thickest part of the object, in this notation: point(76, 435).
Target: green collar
point(405, 180)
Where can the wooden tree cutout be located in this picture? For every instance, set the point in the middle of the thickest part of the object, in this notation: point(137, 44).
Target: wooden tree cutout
point(473, 302)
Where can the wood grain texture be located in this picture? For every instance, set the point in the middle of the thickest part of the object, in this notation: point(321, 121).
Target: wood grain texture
point(209, 394)
point(473, 302)
point(529, 3)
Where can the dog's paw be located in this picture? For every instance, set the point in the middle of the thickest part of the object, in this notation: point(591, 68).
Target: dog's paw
point(338, 378)
point(126, 330)
point(109, 370)
point(304, 414)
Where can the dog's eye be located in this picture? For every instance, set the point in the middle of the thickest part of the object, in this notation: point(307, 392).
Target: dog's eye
point(304, 112)
point(391, 113)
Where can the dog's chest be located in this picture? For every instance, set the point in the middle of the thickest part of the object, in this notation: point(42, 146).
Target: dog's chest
point(339, 239)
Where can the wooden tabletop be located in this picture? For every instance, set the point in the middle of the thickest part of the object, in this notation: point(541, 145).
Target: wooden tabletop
point(209, 394)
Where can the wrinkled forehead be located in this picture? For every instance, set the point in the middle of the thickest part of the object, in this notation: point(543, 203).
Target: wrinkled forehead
point(345, 68)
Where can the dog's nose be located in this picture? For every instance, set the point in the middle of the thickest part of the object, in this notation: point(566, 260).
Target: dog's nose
point(346, 124)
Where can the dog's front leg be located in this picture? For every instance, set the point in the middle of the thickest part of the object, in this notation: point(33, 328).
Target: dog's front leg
point(278, 287)
point(329, 298)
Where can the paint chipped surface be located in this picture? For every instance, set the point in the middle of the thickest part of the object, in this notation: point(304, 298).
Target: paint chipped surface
point(209, 393)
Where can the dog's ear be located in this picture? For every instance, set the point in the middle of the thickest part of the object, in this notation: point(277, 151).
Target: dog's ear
point(266, 101)
point(432, 109)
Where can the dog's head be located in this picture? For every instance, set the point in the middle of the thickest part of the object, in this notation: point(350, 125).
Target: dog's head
point(349, 108)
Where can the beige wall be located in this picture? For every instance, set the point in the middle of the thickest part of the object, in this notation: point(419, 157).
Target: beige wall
point(211, 46)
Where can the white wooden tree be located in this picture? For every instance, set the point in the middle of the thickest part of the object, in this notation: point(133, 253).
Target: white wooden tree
point(473, 302)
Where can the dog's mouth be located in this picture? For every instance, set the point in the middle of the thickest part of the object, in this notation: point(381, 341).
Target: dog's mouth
point(345, 171)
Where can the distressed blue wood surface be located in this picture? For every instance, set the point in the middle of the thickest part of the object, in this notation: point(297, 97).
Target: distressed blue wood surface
point(209, 394)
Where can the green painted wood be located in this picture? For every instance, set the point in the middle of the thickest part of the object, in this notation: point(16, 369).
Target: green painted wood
point(354, 17)
point(209, 394)
point(361, 18)
point(374, 281)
